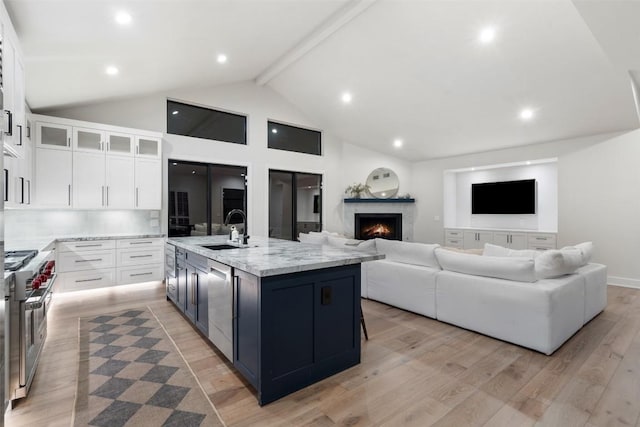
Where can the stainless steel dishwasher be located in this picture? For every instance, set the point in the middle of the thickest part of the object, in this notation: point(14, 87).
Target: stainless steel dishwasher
point(220, 294)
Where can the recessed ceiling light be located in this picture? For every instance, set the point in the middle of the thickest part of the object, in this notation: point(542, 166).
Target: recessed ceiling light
point(487, 35)
point(123, 18)
point(526, 114)
point(193, 172)
point(397, 143)
point(112, 70)
point(221, 58)
point(174, 112)
point(473, 169)
point(528, 162)
point(174, 164)
point(274, 130)
point(347, 97)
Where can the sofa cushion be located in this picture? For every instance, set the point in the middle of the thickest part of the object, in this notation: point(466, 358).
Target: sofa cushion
point(367, 245)
point(555, 263)
point(520, 269)
point(495, 250)
point(342, 242)
point(408, 252)
point(585, 248)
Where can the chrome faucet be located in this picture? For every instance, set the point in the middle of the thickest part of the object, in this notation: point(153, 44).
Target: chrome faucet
point(245, 236)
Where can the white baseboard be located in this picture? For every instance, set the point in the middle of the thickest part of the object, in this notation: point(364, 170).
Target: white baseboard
point(623, 281)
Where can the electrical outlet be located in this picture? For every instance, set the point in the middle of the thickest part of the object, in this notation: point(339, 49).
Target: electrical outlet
point(154, 223)
point(436, 218)
point(154, 214)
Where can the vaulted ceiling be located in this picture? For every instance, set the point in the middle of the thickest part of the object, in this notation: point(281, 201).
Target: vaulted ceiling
point(416, 69)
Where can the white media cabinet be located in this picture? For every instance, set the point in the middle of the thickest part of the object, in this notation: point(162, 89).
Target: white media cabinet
point(475, 238)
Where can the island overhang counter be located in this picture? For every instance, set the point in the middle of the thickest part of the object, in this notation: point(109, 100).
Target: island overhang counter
point(293, 309)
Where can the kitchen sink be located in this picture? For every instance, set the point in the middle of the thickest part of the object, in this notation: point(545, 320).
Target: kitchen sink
point(222, 247)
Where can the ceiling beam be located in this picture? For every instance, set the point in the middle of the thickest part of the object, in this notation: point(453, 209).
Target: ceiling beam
point(332, 24)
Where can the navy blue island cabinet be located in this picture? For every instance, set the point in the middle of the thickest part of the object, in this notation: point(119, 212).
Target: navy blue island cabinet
point(293, 330)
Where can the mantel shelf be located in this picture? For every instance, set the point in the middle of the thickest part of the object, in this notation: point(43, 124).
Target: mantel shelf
point(350, 200)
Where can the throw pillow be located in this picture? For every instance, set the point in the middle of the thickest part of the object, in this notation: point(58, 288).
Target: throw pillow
point(367, 245)
point(519, 269)
point(585, 248)
point(555, 263)
point(495, 250)
point(408, 252)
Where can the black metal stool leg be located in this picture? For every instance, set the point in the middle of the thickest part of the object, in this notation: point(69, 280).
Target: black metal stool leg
point(364, 326)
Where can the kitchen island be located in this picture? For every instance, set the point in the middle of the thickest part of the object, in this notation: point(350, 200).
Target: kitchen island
point(286, 314)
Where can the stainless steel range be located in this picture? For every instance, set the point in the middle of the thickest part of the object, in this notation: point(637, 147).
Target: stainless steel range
point(30, 292)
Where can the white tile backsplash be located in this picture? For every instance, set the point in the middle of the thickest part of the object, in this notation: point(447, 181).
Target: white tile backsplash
point(37, 224)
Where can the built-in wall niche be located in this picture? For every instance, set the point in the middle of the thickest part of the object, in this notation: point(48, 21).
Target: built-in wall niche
point(457, 196)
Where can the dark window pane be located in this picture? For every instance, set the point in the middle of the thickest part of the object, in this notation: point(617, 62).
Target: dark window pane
point(200, 122)
point(291, 138)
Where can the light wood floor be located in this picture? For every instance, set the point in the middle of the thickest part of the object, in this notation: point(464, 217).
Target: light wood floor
point(414, 371)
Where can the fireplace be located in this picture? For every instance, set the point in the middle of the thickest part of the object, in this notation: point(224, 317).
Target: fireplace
point(383, 225)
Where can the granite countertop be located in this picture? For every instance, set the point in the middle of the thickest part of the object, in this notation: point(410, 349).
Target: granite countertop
point(270, 257)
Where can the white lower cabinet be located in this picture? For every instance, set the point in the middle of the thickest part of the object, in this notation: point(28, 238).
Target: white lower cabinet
point(137, 274)
point(86, 260)
point(138, 256)
point(92, 264)
point(510, 240)
point(475, 239)
point(84, 280)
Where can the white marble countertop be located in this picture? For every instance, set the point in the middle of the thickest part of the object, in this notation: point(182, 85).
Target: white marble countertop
point(46, 244)
point(271, 257)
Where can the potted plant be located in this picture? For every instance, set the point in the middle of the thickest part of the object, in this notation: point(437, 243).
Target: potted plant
point(356, 190)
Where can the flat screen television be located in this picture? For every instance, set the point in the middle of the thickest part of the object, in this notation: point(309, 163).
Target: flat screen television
point(505, 197)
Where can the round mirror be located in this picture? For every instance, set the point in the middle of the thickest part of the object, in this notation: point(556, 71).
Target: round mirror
point(383, 183)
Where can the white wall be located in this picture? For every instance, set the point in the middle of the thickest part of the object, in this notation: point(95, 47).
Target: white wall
point(598, 195)
point(340, 163)
point(545, 218)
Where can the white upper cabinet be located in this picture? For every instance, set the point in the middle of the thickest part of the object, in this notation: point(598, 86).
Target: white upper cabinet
point(53, 178)
point(148, 184)
point(88, 140)
point(88, 180)
point(120, 176)
point(111, 167)
point(120, 144)
point(53, 135)
point(148, 147)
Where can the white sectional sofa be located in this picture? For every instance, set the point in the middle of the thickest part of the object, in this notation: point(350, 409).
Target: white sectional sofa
point(501, 296)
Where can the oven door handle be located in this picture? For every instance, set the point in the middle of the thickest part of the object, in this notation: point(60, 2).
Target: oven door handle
point(23, 344)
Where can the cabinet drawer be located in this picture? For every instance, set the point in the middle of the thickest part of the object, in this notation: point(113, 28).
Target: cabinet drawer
point(145, 273)
point(127, 257)
point(140, 243)
point(78, 281)
point(455, 243)
point(86, 260)
point(454, 234)
point(542, 239)
point(87, 245)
